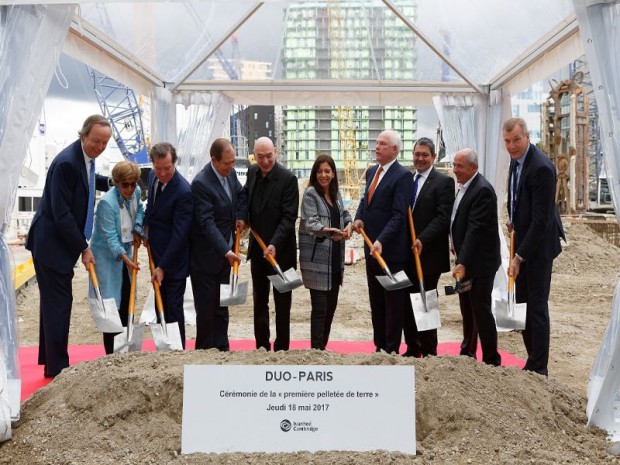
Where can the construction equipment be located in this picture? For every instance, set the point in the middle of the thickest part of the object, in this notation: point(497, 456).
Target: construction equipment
point(282, 281)
point(104, 311)
point(391, 282)
point(510, 315)
point(425, 305)
point(234, 293)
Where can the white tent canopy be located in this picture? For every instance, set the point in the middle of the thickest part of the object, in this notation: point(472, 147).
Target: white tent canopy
point(466, 57)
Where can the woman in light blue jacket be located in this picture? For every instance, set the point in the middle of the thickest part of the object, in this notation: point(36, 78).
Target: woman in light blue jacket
point(118, 217)
point(323, 227)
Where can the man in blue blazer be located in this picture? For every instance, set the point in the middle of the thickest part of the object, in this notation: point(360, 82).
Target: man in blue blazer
point(219, 206)
point(58, 235)
point(535, 219)
point(168, 218)
point(382, 213)
point(475, 237)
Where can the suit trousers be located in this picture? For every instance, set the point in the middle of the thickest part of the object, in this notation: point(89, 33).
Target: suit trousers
point(533, 286)
point(172, 295)
point(322, 313)
point(123, 311)
point(211, 319)
point(478, 321)
point(260, 270)
point(423, 343)
point(56, 299)
point(387, 308)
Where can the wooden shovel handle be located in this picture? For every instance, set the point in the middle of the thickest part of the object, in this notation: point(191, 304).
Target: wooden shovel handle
point(416, 254)
point(511, 278)
point(235, 268)
point(158, 301)
point(375, 254)
point(134, 274)
point(93, 275)
point(269, 257)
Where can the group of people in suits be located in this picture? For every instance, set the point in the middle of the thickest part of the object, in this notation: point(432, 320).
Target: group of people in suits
point(191, 231)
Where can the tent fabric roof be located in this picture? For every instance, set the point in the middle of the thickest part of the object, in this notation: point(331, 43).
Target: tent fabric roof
point(381, 46)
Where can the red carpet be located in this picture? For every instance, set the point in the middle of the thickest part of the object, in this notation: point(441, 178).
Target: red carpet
point(32, 374)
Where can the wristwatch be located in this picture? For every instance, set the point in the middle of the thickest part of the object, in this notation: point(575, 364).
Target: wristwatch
point(520, 258)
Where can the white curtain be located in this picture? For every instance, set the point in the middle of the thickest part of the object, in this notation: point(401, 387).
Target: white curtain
point(599, 22)
point(31, 40)
point(163, 117)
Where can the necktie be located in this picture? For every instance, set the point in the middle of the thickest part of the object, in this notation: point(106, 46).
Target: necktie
point(88, 227)
point(226, 187)
point(373, 185)
point(455, 206)
point(416, 178)
point(158, 190)
point(515, 186)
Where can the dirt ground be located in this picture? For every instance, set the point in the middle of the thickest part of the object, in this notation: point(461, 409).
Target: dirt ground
point(105, 411)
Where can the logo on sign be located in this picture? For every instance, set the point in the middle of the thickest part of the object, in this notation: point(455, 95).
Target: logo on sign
point(285, 426)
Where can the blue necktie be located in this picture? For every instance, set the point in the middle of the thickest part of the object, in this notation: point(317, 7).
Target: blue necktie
point(515, 186)
point(415, 189)
point(88, 227)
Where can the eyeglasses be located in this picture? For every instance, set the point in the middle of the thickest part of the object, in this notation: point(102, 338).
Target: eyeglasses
point(127, 185)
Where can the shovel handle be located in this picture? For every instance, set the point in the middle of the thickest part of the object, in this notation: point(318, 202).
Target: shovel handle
point(134, 273)
point(377, 256)
point(158, 301)
point(235, 267)
point(511, 278)
point(416, 254)
point(269, 257)
point(93, 275)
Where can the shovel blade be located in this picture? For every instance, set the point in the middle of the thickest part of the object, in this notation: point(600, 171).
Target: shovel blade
point(400, 281)
point(291, 281)
point(509, 317)
point(228, 298)
point(426, 316)
point(106, 316)
point(168, 338)
point(133, 344)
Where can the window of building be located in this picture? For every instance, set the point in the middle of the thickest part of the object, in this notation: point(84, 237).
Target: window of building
point(25, 204)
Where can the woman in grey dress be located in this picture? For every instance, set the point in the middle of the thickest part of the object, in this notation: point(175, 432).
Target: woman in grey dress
point(324, 226)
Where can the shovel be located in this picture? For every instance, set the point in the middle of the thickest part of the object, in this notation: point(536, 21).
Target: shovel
point(234, 293)
point(283, 282)
point(391, 282)
point(459, 286)
point(510, 315)
point(104, 311)
point(131, 340)
point(167, 336)
point(424, 303)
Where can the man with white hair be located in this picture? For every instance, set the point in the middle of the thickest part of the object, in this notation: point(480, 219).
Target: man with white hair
point(382, 213)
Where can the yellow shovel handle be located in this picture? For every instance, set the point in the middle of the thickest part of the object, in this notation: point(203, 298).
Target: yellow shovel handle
point(511, 278)
point(158, 301)
point(416, 254)
point(375, 254)
point(269, 257)
point(134, 274)
point(93, 275)
point(235, 268)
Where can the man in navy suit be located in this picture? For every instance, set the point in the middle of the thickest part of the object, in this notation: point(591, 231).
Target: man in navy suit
point(273, 201)
point(534, 217)
point(219, 206)
point(168, 218)
point(432, 205)
point(475, 237)
point(59, 233)
point(382, 213)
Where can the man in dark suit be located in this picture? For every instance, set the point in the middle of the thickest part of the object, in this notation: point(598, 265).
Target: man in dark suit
point(535, 219)
point(273, 201)
point(168, 218)
point(59, 233)
point(475, 237)
point(432, 201)
point(219, 205)
point(382, 213)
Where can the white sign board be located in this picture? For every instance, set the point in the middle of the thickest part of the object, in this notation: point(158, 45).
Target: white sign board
point(288, 408)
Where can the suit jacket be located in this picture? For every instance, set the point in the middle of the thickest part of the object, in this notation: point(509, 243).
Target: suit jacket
point(431, 219)
point(475, 230)
point(278, 208)
point(169, 220)
point(56, 237)
point(215, 214)
point(385, 218)
point(536, 221)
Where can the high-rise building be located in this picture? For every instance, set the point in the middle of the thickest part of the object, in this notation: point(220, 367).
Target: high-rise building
point(354, 41)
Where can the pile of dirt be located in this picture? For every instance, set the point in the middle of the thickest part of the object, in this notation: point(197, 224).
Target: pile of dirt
point(127, 408)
